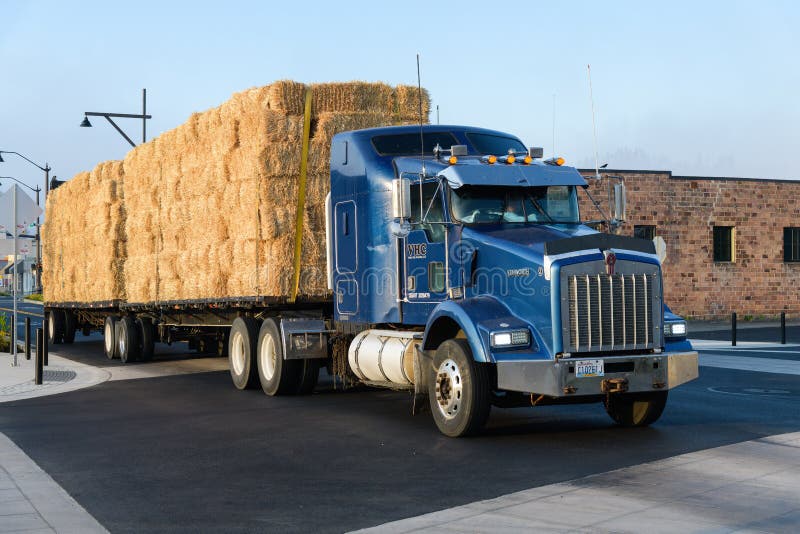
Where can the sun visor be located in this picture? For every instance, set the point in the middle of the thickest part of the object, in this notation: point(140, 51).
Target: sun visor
point(511, 175)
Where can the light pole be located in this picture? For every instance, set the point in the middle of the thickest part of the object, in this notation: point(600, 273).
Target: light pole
point(144, 116)
point(38, 282)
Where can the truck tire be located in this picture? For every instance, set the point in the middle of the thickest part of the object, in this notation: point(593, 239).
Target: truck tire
point(70, 326)
point(459, 390)
point(242, 352)
point(110, 337)
point(277, 376)
point(55, 327)
point(147, 342)
point(636, 409)
point(309, 374)
point(128, 346)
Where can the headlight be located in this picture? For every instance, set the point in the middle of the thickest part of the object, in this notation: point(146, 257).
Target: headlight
point(675, 329)
point(511, 338)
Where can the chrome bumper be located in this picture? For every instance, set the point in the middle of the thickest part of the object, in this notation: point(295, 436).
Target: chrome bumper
point(648, 372)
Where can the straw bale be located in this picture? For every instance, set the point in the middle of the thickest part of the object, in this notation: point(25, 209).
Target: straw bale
point(208, 209)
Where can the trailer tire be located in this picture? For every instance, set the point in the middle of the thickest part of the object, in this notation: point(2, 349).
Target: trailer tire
point(635, 409)
point(277, 375)
point(55, 327)
point(128, 340)
point(459, 390)
point(309, 374)
point(70, 326)
point(147, 342)
point(110, 337)
point(242, 352)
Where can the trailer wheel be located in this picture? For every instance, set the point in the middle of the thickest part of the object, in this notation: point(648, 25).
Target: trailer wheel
point(459, 391)
point(128, 346)
point(636, 409)
point(242, 352)
point(277, 376)
point(144, 327)
point(70, 326)
point(110, 337)
point(55, 327)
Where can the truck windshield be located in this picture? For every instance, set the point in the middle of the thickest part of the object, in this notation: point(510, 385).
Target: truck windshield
point(502, 205)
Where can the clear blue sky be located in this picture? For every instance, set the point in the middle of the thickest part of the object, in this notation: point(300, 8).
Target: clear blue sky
point(704, 88)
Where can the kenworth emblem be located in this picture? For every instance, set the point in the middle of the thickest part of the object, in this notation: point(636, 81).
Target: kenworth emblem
point(611, 260)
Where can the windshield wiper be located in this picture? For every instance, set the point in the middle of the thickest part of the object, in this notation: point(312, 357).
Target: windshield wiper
point(541, 209)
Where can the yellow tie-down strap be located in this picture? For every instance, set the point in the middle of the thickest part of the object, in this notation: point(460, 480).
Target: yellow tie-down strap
point(301, 197)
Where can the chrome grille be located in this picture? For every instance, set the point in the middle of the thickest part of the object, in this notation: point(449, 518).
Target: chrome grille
point(610, 312)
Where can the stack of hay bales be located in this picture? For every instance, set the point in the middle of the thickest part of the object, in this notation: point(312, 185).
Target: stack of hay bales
point(210, 206)
point(83, 240)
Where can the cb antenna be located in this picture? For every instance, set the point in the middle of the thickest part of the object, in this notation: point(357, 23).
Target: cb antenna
point(421, 138)
point(554, 125)
point(594, 126)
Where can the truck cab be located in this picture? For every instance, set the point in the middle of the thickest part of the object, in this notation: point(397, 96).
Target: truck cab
point(461, 269)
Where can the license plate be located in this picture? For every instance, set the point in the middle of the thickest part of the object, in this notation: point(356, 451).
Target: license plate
point(588, 368)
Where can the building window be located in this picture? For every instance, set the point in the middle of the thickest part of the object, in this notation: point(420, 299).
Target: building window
point(791, 244)
point(724, 243)
point(644, 231)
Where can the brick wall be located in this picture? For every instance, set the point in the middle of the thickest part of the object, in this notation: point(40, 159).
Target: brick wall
point(685, 210)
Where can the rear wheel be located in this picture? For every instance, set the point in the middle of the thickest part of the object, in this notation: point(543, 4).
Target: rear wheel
point(70, 326)
point(110, 337)
point(636, 409)
point(460, 390)
point(309, 374)
point(144, 327)
point(242, 352)
point(128, 340)
point(55, 327)
point(277, 376)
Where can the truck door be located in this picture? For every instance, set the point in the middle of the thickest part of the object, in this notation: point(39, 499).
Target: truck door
point(424, 255)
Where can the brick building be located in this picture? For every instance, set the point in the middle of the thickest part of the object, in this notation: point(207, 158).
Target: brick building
point(733, 244)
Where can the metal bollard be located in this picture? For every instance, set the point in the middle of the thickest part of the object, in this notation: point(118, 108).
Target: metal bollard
point(45, 348)
point(27, 338)
point(733, 329)
point(783, 328)
point(37, 376)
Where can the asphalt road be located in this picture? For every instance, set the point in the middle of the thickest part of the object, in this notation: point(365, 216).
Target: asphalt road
point(190, 453)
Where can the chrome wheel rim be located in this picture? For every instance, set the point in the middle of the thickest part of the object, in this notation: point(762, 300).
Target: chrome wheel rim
point(238, 353)
point(267, 357)
point(449, 389)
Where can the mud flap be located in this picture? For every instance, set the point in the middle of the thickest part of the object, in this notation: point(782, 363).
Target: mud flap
point(423, 367)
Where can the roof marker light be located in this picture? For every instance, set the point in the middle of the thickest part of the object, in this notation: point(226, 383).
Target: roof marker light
point(560, 161)
point(491, 160)
point(528, 159)
point(453, 160)
point(510, 159)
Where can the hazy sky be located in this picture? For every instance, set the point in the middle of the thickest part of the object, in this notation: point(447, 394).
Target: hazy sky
point(699, 88)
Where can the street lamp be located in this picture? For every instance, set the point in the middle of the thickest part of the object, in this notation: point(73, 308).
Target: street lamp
point(144, 116)
point(38, 235)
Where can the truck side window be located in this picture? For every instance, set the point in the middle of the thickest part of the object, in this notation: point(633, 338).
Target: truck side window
point(436, 276)
point(432, 205)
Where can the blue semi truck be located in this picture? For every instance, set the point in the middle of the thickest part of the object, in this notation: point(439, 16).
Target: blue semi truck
point(460, 271)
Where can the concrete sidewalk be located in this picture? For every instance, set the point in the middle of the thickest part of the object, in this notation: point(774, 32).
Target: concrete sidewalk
point(752, 486)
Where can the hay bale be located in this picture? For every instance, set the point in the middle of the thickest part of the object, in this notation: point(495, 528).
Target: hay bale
point(207, 210)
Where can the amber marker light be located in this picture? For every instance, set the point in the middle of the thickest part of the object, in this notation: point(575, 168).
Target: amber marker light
point(453, 160)
point(492, 160)
point(527, 160)
point(560, 162)
point(510, 159)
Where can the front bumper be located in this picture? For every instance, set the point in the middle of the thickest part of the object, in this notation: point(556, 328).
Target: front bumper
point(648, 372)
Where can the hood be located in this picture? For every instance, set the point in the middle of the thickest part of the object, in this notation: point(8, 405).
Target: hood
point(532, 237)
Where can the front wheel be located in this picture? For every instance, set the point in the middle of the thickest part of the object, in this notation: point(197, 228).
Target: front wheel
point(636, 409)
point(460, 390)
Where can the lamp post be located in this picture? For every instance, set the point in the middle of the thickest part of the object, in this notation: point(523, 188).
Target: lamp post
point(144, 116)
point(38, 282)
